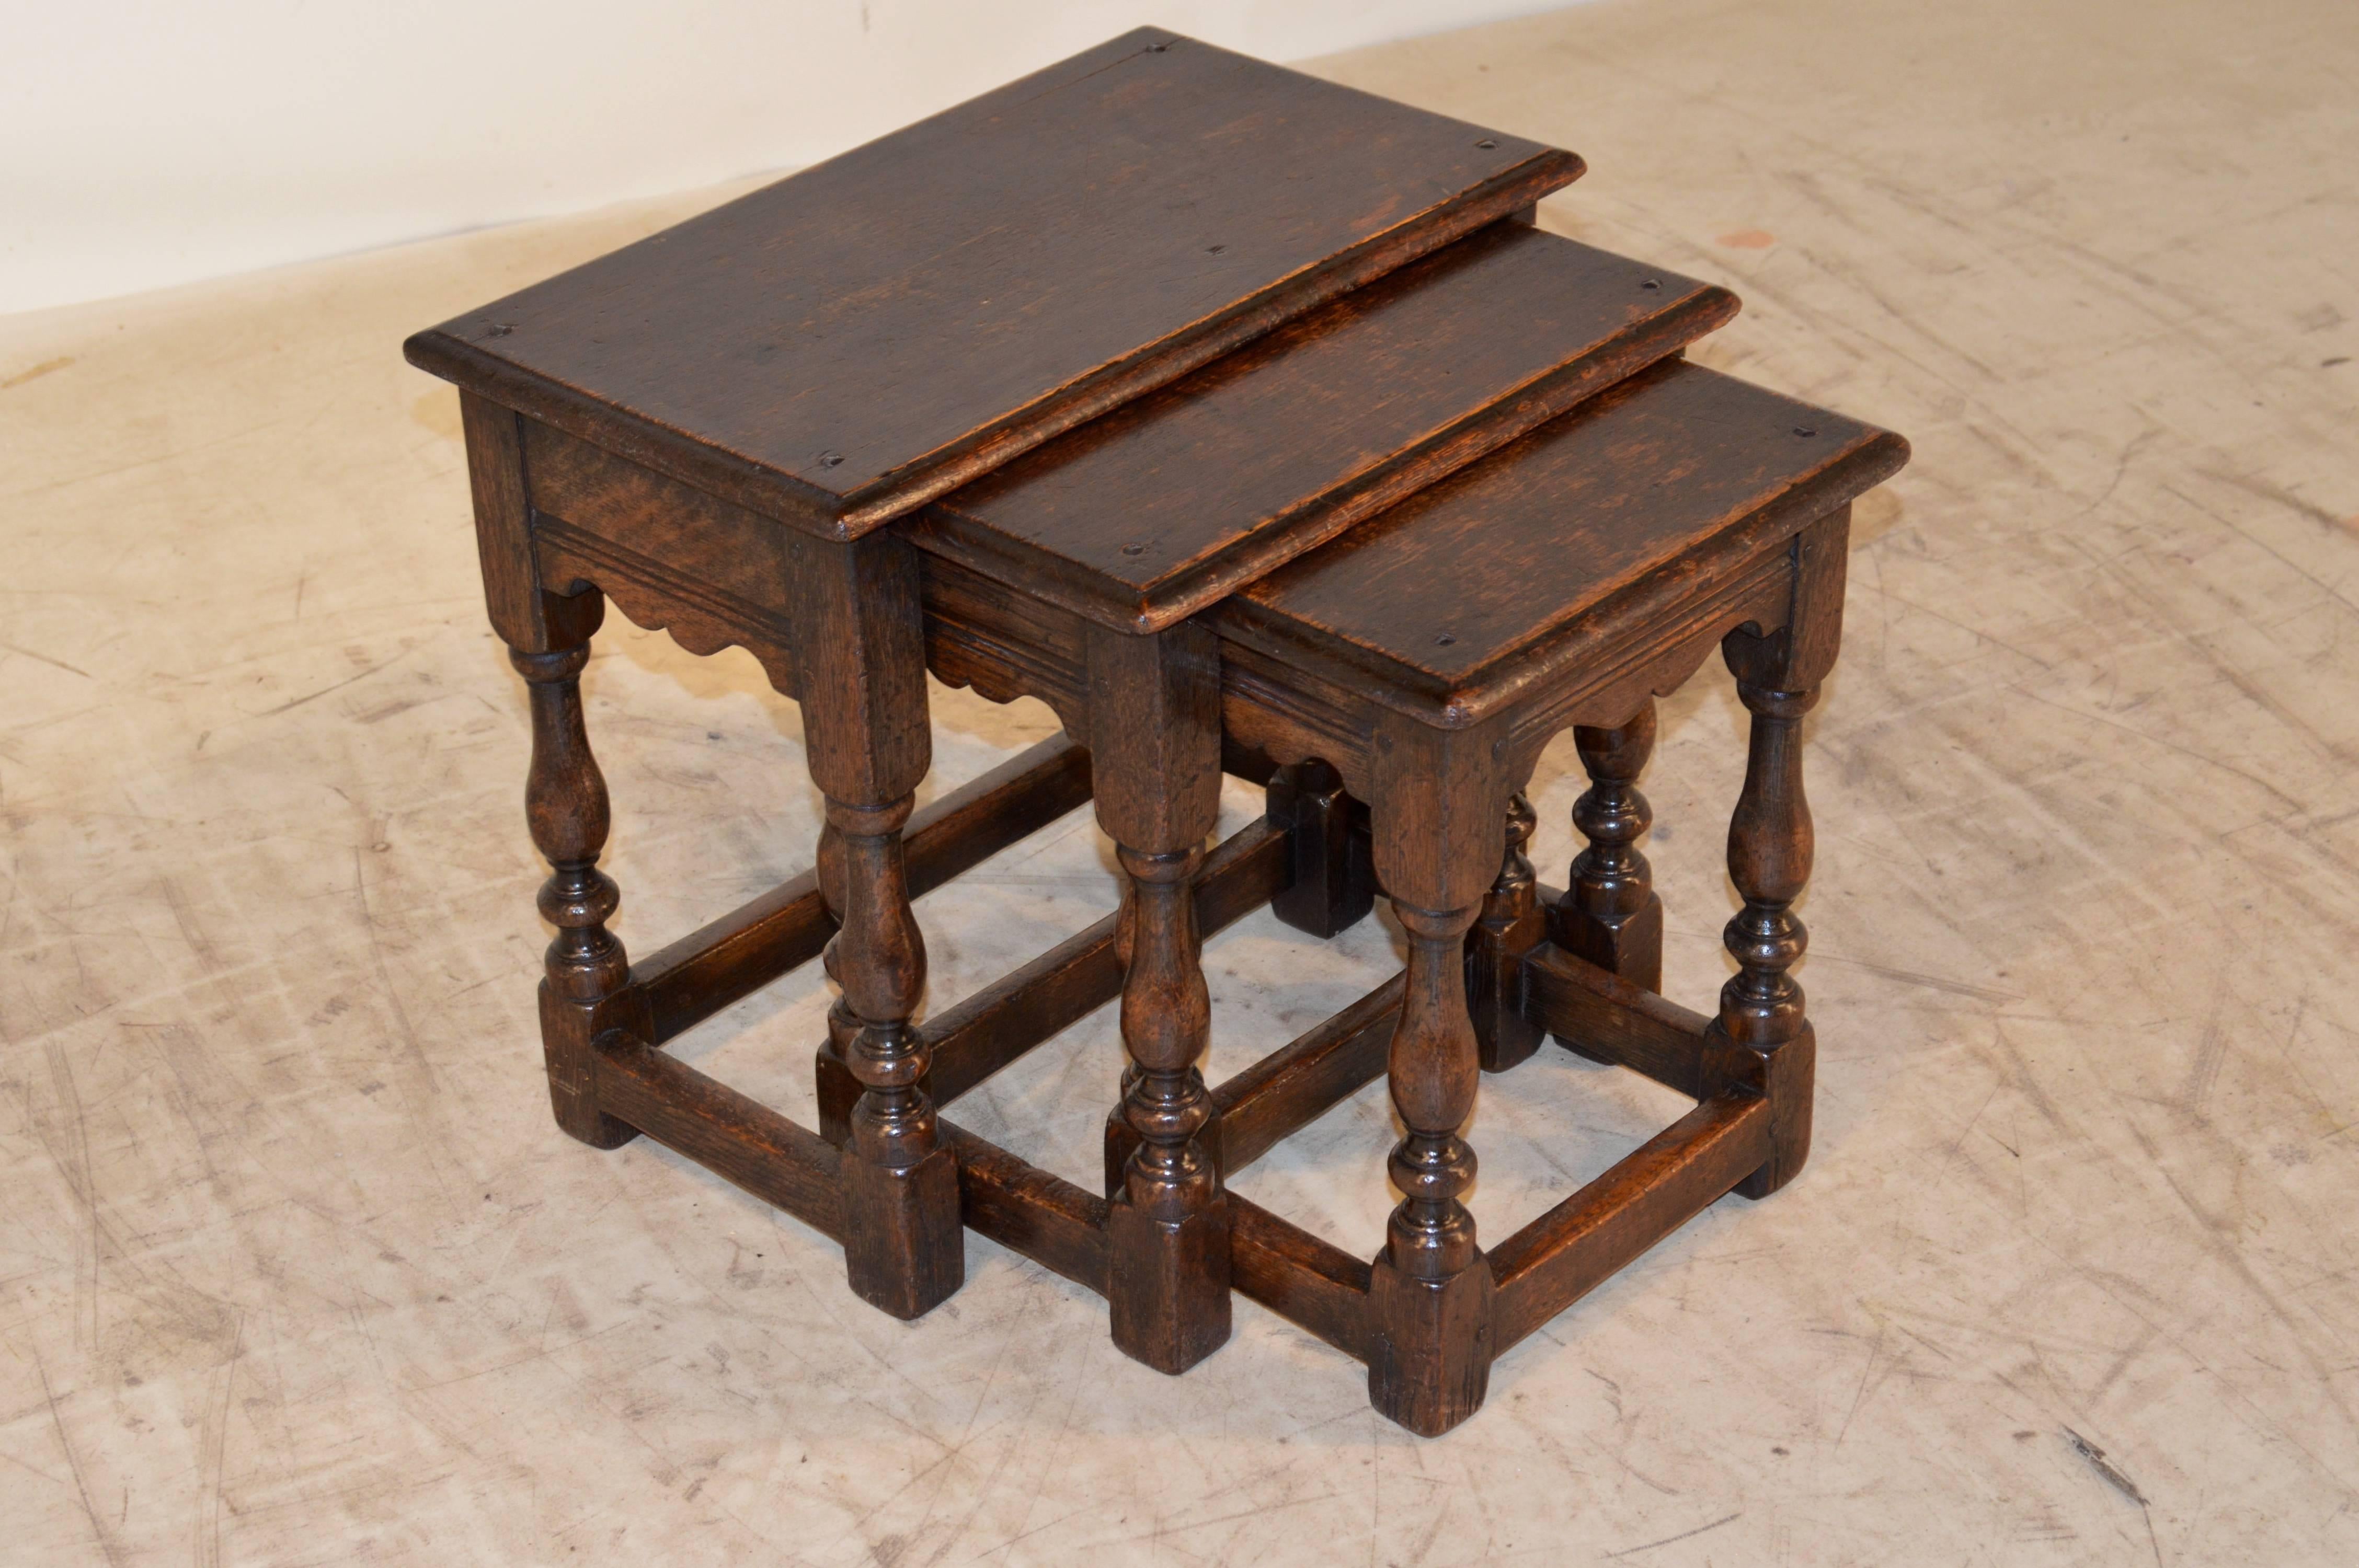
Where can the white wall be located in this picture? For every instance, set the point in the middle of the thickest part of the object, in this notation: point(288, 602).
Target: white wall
point(152, 142)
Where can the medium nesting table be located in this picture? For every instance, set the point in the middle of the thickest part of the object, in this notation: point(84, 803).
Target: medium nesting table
point(1418, 663)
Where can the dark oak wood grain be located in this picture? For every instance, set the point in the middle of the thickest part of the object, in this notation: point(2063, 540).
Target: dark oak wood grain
point(1453, 603)
point(723, 1130)
point(586, 971)
point(1762, 1038)
point(1155, 734)
point(673, 557)
point(1608, 1018)
point(1312, 1283)
point(1157, 509)
point(860, 670)
point(1430, 1290)
point(1576, 1246)
point(514, 592)
point(837, 348)
point(1031, 1211)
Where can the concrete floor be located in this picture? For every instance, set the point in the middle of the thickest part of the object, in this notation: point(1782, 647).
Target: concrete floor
point(298, 1270)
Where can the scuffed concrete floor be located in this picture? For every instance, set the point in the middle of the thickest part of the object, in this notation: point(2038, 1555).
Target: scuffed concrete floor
point(298, 1270)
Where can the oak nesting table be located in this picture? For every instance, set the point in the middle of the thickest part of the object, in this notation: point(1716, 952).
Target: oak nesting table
point(1147, 385)
point(830, 352)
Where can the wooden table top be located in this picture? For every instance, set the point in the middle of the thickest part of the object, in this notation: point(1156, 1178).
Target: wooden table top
point(1160, 508)
point(841, 346)
point(1448, 595)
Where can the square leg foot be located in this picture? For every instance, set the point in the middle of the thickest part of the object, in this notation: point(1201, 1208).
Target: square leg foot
point(1785, 1076)
point(566, 1031)
point(587, 1124)
point(1504, 1037)
point(1429, 1346)
point(903, 1248)
point(1630, 947)
point(1334, 883)
point(1169, 1282)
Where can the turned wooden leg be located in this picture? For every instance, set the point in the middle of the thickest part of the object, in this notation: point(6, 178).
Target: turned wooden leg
point(861, 660)
point(1335, 885)
point(1168, 1223)
point(565, 801)
point(1439, 805)
point(902, 1245)
point(1156, 758)
point(1511, 924)
point(1610, 913)
point(1761, 1037)
point(839, 1087)
point(1430, 1293)
point(1120, 1142)
point(548, 636)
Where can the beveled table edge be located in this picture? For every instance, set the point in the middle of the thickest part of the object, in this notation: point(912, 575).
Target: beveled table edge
point(744, 482)
point(1315, 520)
point(1482, 693)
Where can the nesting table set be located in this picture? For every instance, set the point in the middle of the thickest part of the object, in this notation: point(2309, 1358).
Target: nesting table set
point(1247, 421)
